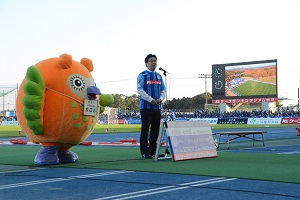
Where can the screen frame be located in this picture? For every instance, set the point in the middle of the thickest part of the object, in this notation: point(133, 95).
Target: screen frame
point(218, 84)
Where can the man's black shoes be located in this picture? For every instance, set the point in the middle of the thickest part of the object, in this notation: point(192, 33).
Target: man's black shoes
point(146, 156)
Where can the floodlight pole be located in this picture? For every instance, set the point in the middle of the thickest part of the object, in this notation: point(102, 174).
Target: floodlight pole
point(205, 76)
point(3, 103)
point(298, 98)
point(299, 95)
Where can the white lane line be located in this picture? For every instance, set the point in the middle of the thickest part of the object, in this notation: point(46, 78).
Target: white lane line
point(203, 181)
point(100, 174)
point(20, 170)
point(291, 152)
point(229, 179)
point(155, 189)
point(165, 189)
point(15, 185)
point(178, 188)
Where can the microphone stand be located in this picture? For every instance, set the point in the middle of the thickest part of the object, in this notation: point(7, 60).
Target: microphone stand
point(165, 124)
point(166, 112)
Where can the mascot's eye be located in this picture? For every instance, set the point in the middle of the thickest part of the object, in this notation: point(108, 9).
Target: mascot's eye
point(77, 83)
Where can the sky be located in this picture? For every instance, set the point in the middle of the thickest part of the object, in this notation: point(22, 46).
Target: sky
point(187, 36)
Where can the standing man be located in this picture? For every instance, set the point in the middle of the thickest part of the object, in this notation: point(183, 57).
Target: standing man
point(152, 91)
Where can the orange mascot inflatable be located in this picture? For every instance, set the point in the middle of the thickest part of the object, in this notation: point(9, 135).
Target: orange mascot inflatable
point(58, 106)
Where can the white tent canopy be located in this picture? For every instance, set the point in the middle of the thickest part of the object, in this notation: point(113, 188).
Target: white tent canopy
point(8, 94)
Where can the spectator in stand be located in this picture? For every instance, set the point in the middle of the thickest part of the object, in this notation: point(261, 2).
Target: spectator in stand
point(172, 116)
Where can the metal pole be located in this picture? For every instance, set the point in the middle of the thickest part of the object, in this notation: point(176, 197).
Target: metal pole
point(125, 107)
point(298, 98)
point(108, 115)
point(205, 76)
point(167, 106)
point(16, 94)
point(205, 90)
point(299, 95)
point(3, 103)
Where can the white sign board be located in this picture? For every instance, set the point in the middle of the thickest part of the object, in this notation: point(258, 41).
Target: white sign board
point(191, 140)
point(90, 107)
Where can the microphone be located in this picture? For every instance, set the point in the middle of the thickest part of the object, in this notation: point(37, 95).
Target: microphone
point(163, 70)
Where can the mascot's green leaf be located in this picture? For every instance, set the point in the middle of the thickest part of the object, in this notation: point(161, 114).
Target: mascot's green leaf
point(33, 88)
point(102, 109)
point(32, 100)
point(35, 126)
point(31, 114)
point(106, 99)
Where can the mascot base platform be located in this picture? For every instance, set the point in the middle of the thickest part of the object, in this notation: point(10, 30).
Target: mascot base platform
point(122, 142)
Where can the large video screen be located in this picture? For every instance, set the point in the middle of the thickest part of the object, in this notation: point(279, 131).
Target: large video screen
point(254, 81)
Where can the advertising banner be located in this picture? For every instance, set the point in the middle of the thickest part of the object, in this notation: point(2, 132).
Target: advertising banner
point(264, 121)
point(9, 123)
point(290, 120)
point(211, 120)
point(240, 120)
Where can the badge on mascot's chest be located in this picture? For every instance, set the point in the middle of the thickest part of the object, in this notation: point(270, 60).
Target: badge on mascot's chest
point(90, 107)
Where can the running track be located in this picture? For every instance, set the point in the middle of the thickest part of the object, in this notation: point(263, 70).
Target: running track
point(69, 183)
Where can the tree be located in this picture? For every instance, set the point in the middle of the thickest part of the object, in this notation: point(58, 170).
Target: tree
point(195, 102)
point(127, 104)
point(130, 104)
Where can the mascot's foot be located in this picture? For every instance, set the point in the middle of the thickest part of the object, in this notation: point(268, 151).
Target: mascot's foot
point(67, 157)
point(47, 156)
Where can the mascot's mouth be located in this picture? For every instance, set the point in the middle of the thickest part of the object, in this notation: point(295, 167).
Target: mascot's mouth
point(92, 96)
point(92, 92)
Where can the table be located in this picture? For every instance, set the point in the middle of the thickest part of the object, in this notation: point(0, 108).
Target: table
point(241, 134)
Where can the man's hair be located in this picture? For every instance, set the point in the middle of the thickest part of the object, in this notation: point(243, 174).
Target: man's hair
point(150, 56)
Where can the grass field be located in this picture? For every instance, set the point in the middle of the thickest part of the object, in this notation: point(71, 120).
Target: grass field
point(14, 131)
point(255, 88)
point(257, 166)
point(246, 165)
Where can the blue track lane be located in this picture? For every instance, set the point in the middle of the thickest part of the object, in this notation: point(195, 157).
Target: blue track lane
point(69, 183)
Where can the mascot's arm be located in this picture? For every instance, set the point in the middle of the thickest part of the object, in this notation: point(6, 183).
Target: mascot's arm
point(105, 100)
point(32, 100)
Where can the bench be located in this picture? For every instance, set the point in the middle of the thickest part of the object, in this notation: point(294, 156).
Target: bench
point(240, 134)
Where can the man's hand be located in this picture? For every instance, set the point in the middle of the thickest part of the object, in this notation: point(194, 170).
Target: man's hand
point(158, 101)
point(155, 102)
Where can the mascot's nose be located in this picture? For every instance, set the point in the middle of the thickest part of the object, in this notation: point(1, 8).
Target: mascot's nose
point(92, 92)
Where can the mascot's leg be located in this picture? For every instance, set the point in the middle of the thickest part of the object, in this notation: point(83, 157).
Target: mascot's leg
point(66, 156)
point(47, 155)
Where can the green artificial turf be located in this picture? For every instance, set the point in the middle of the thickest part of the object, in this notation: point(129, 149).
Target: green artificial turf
point(237, 164)
point(258, 166)
point(15, 130)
